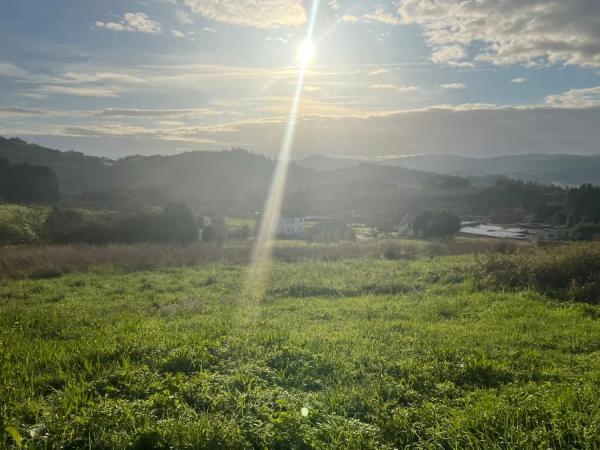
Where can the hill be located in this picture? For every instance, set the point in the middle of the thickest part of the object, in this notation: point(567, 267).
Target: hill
point(566, 170)
point(548, 169)
point(222, 180)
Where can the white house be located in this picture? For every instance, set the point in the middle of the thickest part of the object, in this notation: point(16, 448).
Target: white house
point(290, 226)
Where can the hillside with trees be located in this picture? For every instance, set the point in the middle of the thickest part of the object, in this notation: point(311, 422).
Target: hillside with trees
point(27, 183)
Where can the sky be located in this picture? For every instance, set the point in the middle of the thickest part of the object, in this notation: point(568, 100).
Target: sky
point(388, 78)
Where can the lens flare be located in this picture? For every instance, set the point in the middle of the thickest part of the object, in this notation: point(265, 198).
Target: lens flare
point(262, 253)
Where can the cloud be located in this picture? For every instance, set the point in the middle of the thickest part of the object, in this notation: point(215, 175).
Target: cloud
point(453, 86)
point(177, 34)
point(138, 22)
point(518, 80)
point(153, 113)
point(470, 129)
point(113, 26)
point(183, 17)
point(379, 71)
point(257, 13)
point(70, 77)
point(10, 70)
point(528, 32)
point(576, 98)
point(15, 112)
point(76, 91)
point(380, 15)
point(393, 87)
point(450, 55)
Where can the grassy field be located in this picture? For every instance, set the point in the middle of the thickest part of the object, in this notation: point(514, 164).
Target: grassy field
point(362, 353)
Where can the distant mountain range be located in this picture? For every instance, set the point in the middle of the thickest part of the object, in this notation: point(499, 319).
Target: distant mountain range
point(565, 170)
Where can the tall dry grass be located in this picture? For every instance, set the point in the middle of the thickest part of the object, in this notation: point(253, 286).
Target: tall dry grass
point(56, 260)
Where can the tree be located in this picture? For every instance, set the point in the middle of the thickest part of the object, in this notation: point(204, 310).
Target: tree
point(179, 223)
point(60, 224)
point(26, 183)
point(433, 224)
point(583, 204)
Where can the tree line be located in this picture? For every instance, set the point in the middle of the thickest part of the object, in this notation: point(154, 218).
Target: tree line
point(28, 183)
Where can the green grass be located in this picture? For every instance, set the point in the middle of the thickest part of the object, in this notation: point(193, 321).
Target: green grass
point(383, 354)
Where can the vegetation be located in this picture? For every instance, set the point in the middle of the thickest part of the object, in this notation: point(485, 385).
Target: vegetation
point(235, 183)
point(175, 223)
point(566, 273)
point(330, 231)
point(359, 353)
point(26, 183)
point(118, 330)
point(436, 224)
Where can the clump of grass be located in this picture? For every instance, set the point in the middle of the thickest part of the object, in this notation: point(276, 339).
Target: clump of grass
point(569, 272)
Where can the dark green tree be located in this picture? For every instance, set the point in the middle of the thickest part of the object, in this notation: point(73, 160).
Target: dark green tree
point(436, 224)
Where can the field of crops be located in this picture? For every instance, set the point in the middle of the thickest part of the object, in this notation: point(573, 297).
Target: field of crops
point(361, 353)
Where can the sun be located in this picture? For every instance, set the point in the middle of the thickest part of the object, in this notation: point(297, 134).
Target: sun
point(307, 51)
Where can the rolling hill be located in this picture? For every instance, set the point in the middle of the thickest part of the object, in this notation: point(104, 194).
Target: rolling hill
point(567, 170)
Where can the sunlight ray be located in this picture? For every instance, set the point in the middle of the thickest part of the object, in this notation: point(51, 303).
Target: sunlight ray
point(262, 252)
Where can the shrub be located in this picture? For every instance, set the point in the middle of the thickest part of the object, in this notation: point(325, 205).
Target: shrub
point(567, 272)
point(585, 231)
point(393, 251)
point(175, 223)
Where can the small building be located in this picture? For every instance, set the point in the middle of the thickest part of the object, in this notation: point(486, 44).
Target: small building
point(290, 226)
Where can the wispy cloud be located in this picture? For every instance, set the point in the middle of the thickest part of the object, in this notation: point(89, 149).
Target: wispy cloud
point(150, 113)
point(393, 87)
point(10, 70)
point(138, 22)
point(518, 80)
point(76, 91)
point(379, 15)
point(453, 86)
point(12, 112)
point(183, 17)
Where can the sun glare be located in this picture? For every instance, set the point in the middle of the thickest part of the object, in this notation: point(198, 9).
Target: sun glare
point(307, 52)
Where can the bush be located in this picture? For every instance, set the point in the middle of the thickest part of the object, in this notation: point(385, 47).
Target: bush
point(566, 272)
point(175, 223)
point(61, 224)
point(393, 252)
point(585, 231)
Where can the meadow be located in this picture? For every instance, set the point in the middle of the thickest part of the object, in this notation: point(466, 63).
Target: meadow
point(348, 349)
